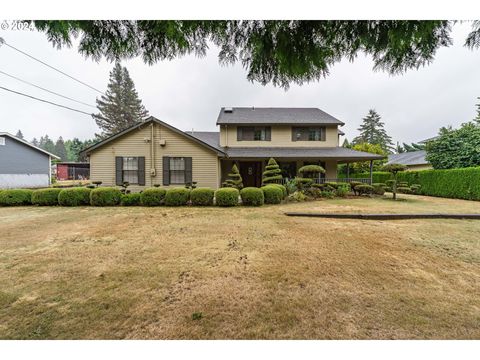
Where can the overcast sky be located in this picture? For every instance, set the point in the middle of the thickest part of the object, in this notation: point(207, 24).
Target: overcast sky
point(188, 92)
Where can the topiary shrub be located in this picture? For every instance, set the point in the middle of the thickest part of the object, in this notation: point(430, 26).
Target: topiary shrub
point(403, 184)
point(311, 171)
point(177, 197)
point(379, 188)
point(132, 199)
point(153, 196)
point(364, 189)
point(333, 185)
point(342, 190)
point(202, 196)
point(394, 169)
point(45, 197)
point(415, 188)
point(353, 185)
point(226, 197)
point(303, 183)
point(235, 179)
point(283, 188)
point(252, 196)
point(105, 196)
point(272, 173)
point(15, 197)
point(74, 196)
point(404, 190)
point(273, 194)
point(318, 186)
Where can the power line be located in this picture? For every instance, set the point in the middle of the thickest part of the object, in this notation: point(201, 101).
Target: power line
point(2, 41)
point(49, 91)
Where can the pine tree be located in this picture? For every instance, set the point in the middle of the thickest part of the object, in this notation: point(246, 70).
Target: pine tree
point(234, 179)
point(477, 118)
point(346, 144)
point(19, 134)
point(60, 149)
point(47, 144)
point(372, 131)
point(35, 142)
point(272, 172)
point(120, 107)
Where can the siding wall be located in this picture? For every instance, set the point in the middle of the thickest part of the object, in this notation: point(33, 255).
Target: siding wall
point(281, 136)
point(205, 164)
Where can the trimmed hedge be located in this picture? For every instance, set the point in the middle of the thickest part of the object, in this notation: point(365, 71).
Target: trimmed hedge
point(364, 189)
point(77, 196)
point(106, 196)
point(177, 197)
point(46, 197)
point(132, 199)
point(273, 194)
point(15, 197)
point(252, 196)
point(226, 197)
point(153, 196)
point(283, 188)
point(377, 176)
point(202, 196)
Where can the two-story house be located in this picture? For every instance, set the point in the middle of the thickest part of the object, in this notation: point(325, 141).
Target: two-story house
point(154, 152)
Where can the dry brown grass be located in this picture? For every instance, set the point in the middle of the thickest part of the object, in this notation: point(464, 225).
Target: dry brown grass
point(246, 273)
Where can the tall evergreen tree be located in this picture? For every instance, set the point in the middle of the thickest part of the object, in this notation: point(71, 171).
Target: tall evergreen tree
point(372, 131)
point(35, 142)
point(120, 107)
point(19, 134)
point(477, 118)
point(346, 144)
point(60, 149)
point(47, 144)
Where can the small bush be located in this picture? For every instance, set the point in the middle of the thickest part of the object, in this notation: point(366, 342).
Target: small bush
point(297, 196)
point(202, 196)
point(364, 189)
point(281, 187)
point(15, 197)
point(105, 196)
point(46, 197)
point(177, 197)
point(252, 196)
point(327, 194)
point(226, 197)
point(132, 199)
point(342, 190)
point(390, 183)
point(404, 190)
point(74, 196)
point(378, 189)
point(318, 186)
point(272, 194)
point(332, 184)
point(153, 196)
point(313, 192)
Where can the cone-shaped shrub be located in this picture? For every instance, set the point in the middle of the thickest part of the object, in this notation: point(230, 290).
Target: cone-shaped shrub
point(226, 197)
point(153, 196)
point(272, 173)
point(234, 179)
point(77, 196)
point(252, 196)
point(45, 197)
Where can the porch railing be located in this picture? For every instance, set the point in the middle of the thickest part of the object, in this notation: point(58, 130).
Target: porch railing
point(325, 180)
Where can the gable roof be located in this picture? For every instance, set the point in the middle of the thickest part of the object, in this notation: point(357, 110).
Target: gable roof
point(148, 121)
point(28, 144)
point(211, 138)
point(286, 116)
point(409, 158)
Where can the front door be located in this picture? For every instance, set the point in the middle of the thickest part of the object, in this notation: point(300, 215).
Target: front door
point(251, 172)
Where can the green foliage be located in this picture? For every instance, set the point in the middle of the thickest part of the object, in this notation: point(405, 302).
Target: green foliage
point(15, 197)
point(404, 190)
point(105, 196)
point(60, 149)
point(252, 196)
point(273, 194)
point(272, 173)
point(76, 196)
point(202, 196)
point(379, 188)
point(314, 193)
point(364, 166)
point(377, 176)
point(153, 196)
point(177, 197)
point(372, 131)
point(297, 196)
point(364, 189)
point(458, 148)
point(234, 179)
point(342, 190)
point(394, 168)
point(311, 171)
point(132, 199)
point(291, 186)
point(45, 197)
point(226, 197)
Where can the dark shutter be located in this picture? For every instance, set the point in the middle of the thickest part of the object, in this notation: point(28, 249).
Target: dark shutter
point(323, 131)
point(141, 170)
point(239, 133)
point(166, 170)
point(118, 170)
point(188, 170)
point(268, 133)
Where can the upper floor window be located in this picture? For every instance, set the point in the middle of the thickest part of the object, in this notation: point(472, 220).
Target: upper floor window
point(308, 133)
point(254, 133)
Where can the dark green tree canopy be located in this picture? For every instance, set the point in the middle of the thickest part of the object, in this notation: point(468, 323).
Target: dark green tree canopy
point(60, 149)
point(276, 51)
point(372, 131)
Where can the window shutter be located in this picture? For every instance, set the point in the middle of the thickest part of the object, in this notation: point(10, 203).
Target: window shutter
point(166, 170)
point(268, 133)
point(239, 133)
point(322, 133)
point(141, 170)
point(118, 170)
point(188, 169)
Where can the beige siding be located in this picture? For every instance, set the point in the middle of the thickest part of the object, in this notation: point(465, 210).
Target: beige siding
point(281, 137)
point(205, 163)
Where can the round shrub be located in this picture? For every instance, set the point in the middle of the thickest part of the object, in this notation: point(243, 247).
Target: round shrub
point(226, 197)
point(252, 196)
point(364, 189)
point(132, 199)
point(15, 197)
point(272, 194)
point(106, 196)
point(404, 190)
point(153, 196)
point(202, 196)
point(177, 197)
point(379, 189)
point(77, 196)
point(283, 188)
point(46, 197)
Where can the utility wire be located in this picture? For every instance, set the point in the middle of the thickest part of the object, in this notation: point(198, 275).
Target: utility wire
point(2, 41)
point(41, 88)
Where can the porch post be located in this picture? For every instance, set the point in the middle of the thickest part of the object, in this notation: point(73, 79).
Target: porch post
point(371, 172)
point(348, 171)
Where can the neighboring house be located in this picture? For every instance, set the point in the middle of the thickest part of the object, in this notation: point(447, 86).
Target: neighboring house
point(154, 152)
point(414, 160)
point(70, 170)
point(23, 165)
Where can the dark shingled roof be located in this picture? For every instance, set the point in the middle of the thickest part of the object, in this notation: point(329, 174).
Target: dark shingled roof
point(409, 158)
point(250, 115)
point(211, 138)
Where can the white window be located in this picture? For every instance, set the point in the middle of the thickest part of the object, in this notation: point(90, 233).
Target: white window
point(2, 140)
point(177, 170)
point(130, 170)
